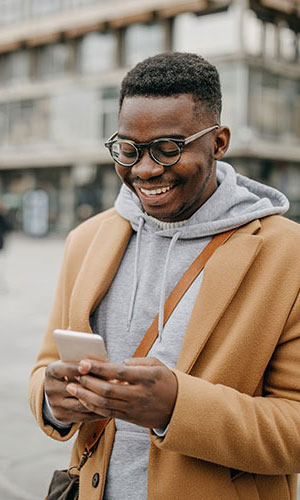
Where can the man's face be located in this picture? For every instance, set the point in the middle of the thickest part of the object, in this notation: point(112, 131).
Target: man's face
point(188, 183)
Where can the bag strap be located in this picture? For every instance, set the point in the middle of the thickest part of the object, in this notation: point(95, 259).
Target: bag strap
point(151, 335)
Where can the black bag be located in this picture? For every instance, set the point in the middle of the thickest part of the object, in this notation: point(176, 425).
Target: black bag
point(63, 486)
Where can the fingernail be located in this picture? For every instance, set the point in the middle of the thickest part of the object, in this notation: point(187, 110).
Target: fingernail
point(84, 366)
point(72, 389)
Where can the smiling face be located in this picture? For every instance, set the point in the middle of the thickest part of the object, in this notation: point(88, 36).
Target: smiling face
point(175, 192)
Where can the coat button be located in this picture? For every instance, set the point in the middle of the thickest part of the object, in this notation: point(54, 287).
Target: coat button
point(95, 480)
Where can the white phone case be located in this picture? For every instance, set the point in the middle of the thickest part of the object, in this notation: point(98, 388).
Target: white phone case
point(74, 346)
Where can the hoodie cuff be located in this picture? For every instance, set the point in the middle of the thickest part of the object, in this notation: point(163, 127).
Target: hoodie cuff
point(161, 432)
point(50, 418)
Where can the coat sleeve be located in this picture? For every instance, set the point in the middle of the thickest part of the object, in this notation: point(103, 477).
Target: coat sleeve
point(218, 424)
point(48, 352)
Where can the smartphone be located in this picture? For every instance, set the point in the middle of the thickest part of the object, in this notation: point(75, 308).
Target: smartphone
point(74, 346)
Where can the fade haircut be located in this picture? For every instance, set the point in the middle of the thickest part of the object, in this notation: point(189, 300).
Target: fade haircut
point(172, 74)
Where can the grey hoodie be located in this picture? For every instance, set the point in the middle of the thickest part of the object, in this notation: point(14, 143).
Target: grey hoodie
point(157, 256)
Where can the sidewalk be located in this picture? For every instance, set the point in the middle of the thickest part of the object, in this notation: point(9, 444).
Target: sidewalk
point(27, 456)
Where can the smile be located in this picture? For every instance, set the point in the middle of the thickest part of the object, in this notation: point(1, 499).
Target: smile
point(153, 192)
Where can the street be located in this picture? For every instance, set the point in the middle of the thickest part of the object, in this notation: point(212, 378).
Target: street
point(27, 456)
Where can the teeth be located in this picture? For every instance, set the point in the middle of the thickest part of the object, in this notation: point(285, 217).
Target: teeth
point(151, 192)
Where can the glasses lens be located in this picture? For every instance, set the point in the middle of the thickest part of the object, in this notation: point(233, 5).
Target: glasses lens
point(124, 152)
point(165, 151)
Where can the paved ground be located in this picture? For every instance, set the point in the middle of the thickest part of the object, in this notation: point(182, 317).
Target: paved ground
point(27, 456)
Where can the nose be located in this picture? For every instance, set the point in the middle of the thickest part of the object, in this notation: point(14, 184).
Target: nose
point(147, 167)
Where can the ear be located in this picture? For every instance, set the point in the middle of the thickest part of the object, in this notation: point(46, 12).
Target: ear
point(221, 143)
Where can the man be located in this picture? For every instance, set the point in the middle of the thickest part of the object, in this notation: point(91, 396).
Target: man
point(213, 411)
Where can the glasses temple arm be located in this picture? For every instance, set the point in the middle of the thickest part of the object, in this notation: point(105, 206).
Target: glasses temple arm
point(111, 137)
point(200, 134)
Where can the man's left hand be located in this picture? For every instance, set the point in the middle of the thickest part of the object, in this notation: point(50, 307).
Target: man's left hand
point(142, 391)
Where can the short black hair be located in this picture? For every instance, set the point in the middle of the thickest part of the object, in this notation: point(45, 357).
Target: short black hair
point(175, 73)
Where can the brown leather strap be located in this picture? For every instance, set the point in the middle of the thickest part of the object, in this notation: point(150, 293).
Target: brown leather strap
point(175, 296)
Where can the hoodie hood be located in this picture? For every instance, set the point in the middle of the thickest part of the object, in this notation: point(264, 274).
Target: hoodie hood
point(237, 201)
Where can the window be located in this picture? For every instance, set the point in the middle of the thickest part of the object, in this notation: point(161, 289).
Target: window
point(10, 11)
point(209, 35)
point(43, 7)
point(266, 103)
point(296, 124)
point(28, 121)
point(109, 109)
point(229, 78)
point(3, 124)
point(143, 40)
point(54, 60)
point(16, 66)
point(97, 53)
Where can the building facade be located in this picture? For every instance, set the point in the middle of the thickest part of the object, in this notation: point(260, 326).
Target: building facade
point(61, 63)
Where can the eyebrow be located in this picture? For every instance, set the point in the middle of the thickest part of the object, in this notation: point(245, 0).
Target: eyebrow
point(168, 136)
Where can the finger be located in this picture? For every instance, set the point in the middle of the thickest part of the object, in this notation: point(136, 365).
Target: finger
point(104, 370)
point(70, 410)
point(143, 362)
point(57, 388)
point(61, 369)
point(123, 373)
point(102, 406)
point(109, 390)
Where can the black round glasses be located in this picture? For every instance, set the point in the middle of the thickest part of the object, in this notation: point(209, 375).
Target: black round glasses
point(165, 150)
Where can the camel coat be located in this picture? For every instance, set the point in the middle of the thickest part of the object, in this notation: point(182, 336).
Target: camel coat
point(235, 430)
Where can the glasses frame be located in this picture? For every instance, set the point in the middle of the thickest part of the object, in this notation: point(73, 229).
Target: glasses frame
point(138, 145)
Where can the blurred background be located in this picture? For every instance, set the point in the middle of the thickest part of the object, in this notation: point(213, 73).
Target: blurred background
point(61, 64)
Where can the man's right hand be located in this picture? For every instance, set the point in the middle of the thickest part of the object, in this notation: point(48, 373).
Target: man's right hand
point(66, 408)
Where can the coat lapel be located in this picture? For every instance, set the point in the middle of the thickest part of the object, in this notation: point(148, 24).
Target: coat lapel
point(222, 277)
point(98, 270)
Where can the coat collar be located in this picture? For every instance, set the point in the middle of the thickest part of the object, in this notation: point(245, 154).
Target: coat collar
point(98, 270)
point(222, 277)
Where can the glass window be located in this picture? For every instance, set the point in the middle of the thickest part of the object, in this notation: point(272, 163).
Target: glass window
point(98, 52)
point(3, 124)
point(110, 110)
point(229, 84)
point(296, 124)
point(287, 43)
point(54, 60)
point(272, 103)
point(42, 7)
point(75, 115)
point(202, 34)
point(143, 40)
point(28, 121)
point(16, 66)
point(10, 11)
point(270, 40)
point(252, 33)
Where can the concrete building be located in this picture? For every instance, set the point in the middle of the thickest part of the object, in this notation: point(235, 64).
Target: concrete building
point(61, 63)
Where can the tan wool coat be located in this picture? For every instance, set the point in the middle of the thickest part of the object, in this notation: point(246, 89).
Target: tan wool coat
point(235, 430)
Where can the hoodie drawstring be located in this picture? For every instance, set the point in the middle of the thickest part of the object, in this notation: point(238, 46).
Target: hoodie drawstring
point(163, 287)
point(135, 273)
point(164, 280)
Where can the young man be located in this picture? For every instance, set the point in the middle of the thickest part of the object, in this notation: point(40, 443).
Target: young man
point(213, 411)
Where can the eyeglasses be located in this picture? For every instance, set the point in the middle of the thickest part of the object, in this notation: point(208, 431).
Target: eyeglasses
point(165, 151)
